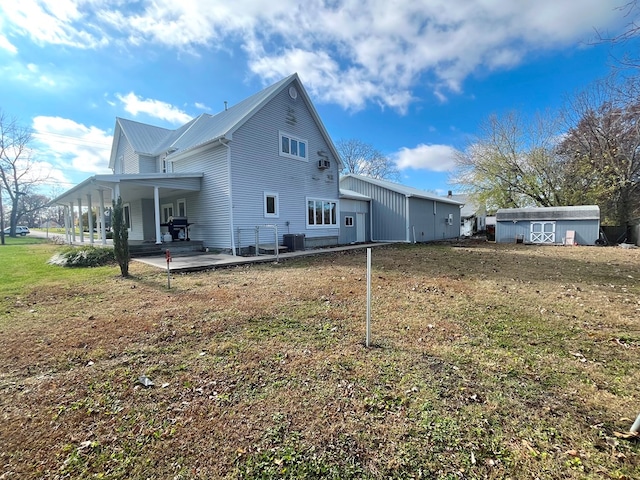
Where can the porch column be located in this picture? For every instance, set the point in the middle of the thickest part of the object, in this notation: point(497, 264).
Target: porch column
point(90, 218)
point(73, 222)
point(80, 222)
point(156, 205)
point(67, 239)
point(116, 193)
point(103, 230)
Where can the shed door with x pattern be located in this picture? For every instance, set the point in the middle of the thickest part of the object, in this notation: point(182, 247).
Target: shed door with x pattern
point(543, 232)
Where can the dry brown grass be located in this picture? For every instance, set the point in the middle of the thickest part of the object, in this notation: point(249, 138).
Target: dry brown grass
point(489, 361)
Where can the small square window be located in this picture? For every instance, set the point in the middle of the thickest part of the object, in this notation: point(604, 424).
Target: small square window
point(348, 221)
point(271, 207)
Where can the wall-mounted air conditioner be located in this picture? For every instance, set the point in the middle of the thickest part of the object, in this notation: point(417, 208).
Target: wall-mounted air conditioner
point(323, 164)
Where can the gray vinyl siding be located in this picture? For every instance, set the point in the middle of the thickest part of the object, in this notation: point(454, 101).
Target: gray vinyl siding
point(388, 210)
point(136, 231)
point(148, 219)
point(126, 159)
point(208, 209)
point(586, 231)
point(257, 167)
point(147, 164)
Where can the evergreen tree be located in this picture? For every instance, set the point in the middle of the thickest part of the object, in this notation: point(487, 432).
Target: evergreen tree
point(120, 238)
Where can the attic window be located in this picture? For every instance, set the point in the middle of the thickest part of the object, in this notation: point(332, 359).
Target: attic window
point(293, 147)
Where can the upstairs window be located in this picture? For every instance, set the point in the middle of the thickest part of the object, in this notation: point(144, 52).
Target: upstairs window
point(293, 147)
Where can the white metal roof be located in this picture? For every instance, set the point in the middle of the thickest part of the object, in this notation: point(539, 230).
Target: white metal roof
point(352, 195)
point(206, 128)
point(402, 189)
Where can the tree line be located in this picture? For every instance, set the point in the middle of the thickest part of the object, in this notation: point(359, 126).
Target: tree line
point(589, 153)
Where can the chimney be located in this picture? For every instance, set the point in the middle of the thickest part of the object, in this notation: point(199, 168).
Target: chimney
point(450, 194)
point(225, 105)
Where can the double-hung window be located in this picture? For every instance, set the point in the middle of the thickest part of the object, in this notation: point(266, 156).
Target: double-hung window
point(322, 212)
point(293, 147)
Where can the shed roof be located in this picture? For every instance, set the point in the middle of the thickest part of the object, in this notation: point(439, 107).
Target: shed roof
point(576, 212)
point(402, 189)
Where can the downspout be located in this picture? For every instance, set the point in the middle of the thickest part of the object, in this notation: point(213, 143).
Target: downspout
point(233, 240)
point(371, 220)
point(408, 238)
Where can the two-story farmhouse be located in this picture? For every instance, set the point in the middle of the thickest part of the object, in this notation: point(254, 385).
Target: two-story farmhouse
point(267, 162)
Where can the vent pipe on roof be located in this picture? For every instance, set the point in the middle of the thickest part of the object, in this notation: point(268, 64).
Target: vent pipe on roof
point(225, 105)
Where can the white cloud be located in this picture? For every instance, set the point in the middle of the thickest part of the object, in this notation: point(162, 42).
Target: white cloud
point(438, 158)
point(154, 108)
point(202, 106)
point(350, 52)
point(6, 45)
point(69, 146)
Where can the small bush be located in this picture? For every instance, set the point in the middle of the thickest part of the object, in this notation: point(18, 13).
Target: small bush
point(84, 257)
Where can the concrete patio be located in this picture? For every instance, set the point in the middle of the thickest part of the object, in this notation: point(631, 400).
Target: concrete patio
point(205, 261)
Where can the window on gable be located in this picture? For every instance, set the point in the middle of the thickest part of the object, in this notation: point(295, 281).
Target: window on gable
point(322, 212)
point(271, 205)
point(293, 147)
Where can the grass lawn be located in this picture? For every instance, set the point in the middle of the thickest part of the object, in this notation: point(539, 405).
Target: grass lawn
point(488, 361)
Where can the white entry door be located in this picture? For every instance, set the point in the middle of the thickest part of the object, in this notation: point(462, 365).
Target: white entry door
point(360, 227)
point(543, 232)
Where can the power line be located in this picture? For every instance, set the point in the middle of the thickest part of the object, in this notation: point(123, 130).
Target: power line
point(72, 140)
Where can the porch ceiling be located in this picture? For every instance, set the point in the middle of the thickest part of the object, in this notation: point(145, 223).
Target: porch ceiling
point(131, 187)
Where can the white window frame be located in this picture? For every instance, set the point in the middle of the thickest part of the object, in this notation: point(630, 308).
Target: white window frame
point(323, 201)
point(276, 204)
point(290, 138)
point(164, 208)
point(183, 202)
point(348, 221)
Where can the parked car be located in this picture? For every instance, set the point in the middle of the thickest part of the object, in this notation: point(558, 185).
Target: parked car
point(20, 230)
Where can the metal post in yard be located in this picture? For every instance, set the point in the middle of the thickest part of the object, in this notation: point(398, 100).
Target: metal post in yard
point(168, 256)
point(368, 296)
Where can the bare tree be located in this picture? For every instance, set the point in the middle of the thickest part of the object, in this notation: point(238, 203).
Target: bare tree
point(602, 149)
point(513, 163)
point(631, 13)
point(364, 159)
point(18, 172)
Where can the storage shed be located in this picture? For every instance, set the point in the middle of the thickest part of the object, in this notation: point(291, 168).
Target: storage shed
point(549, 225)
point(405, 214)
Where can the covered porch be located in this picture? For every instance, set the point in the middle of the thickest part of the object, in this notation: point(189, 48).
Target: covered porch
point(142, 197)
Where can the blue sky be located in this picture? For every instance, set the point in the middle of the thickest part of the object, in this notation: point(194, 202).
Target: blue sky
point(413, 78)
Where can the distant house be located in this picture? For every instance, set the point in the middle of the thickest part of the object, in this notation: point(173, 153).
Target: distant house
point(549, 225)
point(263, 164)
point(472, 215)
point(405, 214)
